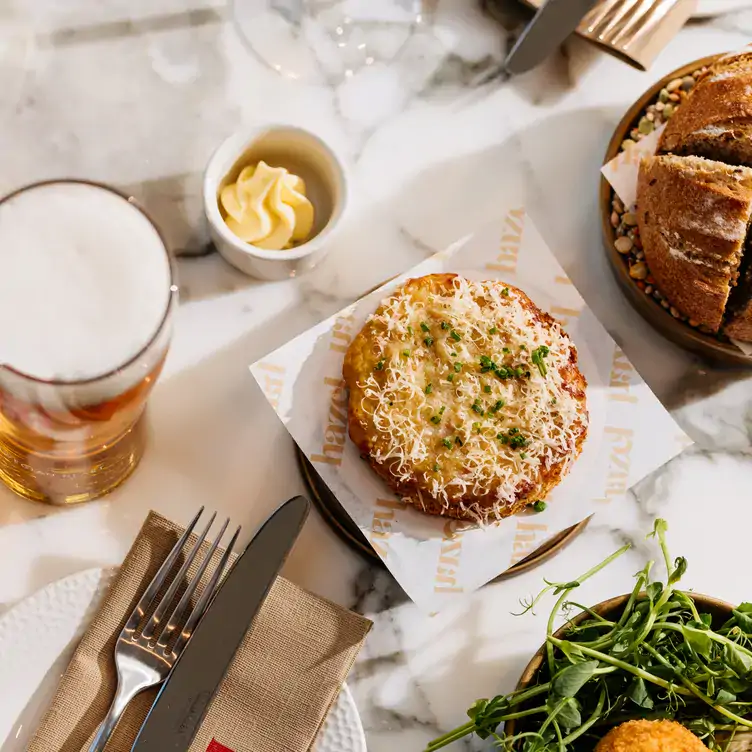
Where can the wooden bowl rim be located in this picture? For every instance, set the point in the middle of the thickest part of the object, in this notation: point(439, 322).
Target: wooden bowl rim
point(659, 318)
point(603, 608)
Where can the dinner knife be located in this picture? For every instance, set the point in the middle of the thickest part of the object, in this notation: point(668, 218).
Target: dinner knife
point(551, 25)
point(182, 703)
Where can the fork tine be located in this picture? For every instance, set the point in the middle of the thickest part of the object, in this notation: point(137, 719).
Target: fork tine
point(179, 610)
point(164, 604)
point(204, 600)
point(149, 594)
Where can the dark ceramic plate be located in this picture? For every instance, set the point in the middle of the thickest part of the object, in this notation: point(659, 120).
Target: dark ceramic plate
point(678, 332)
point(342, 524)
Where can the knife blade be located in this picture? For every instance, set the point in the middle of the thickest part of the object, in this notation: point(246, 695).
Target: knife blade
point(182, 703)
point(551, 25)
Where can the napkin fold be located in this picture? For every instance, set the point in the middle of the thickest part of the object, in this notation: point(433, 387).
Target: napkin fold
point(275, 696)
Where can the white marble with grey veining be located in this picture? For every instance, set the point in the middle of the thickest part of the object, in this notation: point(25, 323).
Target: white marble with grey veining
point(138, 93)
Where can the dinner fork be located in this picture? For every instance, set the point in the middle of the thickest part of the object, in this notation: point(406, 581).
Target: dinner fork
point(144, 659)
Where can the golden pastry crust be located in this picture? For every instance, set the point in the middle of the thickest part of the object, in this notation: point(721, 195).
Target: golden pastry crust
point(465, 397)
point(650, 736)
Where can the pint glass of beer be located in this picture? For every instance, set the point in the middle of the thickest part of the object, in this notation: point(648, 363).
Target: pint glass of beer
point(86, 304)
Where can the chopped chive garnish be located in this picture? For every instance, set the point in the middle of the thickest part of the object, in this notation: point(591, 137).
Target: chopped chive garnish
point(456, 337)
point(441, 411)
point(506, 350)
point(505, 292)
point(493, 330)
point(523, 347)
point(447, 443)
point(476, 427)
point(429, 388)
point(537, 357)
point(454, 355)
point(486, 364)
point(450, 377)
point(553, 400)
point(436, 467)
point(436, 420)
point(476, 408)
point(522, 455)
point(428, 341)
point(380, 365)
point(514, 438)
point(497, 406)
point(518, 372)
point(405, 353)
point(540, 506)
point(444, 325)
point(457, 367)
point(410, 330)
point(458, 441)
point(424, 326)
point(487, 389)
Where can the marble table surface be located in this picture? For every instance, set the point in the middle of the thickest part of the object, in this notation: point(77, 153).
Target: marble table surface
point(137, 94)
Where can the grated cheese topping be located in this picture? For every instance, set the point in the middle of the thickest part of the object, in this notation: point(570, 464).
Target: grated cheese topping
point(469, 391)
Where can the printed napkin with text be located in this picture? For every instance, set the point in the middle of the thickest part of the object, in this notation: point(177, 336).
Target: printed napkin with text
point(438, 560)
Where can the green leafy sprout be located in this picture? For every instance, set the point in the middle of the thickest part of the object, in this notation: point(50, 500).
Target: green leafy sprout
point(658, 658)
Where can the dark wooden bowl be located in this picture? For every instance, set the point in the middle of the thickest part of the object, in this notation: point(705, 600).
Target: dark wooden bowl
point(720, 610)
point(680, 333)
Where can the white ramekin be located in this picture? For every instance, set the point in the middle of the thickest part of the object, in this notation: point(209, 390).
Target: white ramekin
point(303, 154)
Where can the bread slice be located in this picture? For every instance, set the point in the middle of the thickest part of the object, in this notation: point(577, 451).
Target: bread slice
point(739, 310)
point(693, 215)
point(731, 61)
point(716, 119)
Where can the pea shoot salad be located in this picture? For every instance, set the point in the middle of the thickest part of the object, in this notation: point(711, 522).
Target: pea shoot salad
point(661, 658)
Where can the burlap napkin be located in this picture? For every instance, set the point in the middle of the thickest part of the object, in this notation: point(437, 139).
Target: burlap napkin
point(274, 698)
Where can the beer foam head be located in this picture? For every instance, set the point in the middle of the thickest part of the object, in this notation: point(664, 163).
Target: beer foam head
point(84, 281)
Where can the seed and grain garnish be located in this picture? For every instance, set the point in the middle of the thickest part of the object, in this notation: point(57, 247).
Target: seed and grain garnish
point(627, 240)
point(495, 410)
point(661, 656)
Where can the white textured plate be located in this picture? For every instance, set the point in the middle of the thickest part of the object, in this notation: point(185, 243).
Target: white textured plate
point(710, 8)
point(38, 635)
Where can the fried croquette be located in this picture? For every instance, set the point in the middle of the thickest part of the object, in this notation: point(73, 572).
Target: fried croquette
point(650, 736)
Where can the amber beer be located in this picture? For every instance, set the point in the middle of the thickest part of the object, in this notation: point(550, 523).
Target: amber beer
point(86, 301)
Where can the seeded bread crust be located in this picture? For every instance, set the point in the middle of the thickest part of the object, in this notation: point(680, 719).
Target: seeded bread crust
point(693, 215)
point(715, 121)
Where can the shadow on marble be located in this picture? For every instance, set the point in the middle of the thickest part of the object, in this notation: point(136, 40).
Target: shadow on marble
point(118, 29)
point(375, 591)
point(415, 677)
point(558, 76)
point(15, 509)
point(176, 204)
point(210, 277)
point(215, 440)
